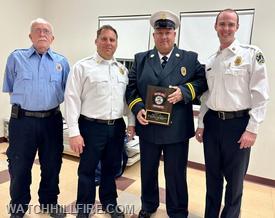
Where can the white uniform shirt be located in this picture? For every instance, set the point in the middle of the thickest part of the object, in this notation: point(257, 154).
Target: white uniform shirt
point(96, 89)
point(237, 80)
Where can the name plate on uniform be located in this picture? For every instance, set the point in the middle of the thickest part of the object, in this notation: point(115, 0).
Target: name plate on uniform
point(158, 109)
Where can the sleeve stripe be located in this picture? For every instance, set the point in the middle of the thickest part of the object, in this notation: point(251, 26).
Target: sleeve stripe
point(131, 105)
point(192, 90)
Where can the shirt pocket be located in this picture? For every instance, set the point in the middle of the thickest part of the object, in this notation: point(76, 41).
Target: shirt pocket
point(210, 76)
point(102, 85)
point(26, 82)
point(56, 84)
point(122, 83)
point(26, 75)
point(56, 77)
point(236, 78)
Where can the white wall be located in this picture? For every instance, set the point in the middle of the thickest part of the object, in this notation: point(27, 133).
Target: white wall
point(15, 18)
point(75, 24)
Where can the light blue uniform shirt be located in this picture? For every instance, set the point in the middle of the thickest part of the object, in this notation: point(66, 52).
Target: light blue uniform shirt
point(36, 82)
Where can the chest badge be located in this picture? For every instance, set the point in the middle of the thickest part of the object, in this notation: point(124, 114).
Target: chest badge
point(121, 71)
point(183, 71)
point(58, 67)
point(238, 61)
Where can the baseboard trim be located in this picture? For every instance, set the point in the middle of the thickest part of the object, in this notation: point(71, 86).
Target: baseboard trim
point(250, 178)
point(3, 139)
point(199, 166)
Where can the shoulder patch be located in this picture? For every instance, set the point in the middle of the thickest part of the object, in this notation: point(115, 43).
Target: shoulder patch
point(260, 58)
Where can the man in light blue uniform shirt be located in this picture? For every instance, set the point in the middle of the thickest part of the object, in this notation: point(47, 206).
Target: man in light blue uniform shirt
point(35, 79)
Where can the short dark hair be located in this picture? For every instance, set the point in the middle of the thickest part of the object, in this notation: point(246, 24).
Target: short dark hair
point(227, 10)
point(106, 27)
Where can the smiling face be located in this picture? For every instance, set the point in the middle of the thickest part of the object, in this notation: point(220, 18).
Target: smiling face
point(106, 43)
point(226, 27)
point(41, 36)
point(164, 39)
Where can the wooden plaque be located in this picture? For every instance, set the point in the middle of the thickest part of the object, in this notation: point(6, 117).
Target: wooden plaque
point(158, 109)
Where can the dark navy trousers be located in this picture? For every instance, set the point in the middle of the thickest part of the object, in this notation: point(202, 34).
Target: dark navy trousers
point(27, 135)
point(224, 160)
point(105, 143)
point(175, 162)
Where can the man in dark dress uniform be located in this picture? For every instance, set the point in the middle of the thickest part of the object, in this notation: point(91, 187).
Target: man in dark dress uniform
point(165, 66)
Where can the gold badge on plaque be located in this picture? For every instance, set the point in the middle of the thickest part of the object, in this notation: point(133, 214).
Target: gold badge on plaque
point(183, 71)
point(238, 61)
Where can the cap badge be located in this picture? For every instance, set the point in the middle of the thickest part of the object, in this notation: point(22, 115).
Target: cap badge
point(183, 71)
point(163, 16)
point(58, 67)
point(238, 61)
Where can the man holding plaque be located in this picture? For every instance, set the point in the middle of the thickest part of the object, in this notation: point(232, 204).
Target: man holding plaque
point(160, 78)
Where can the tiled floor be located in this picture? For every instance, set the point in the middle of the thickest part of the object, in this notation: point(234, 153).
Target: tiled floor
point(258, 200)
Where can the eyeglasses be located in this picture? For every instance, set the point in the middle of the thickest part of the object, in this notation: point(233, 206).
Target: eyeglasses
point(39, 31)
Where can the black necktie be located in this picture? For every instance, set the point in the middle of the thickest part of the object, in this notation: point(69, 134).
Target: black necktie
point(164, 61)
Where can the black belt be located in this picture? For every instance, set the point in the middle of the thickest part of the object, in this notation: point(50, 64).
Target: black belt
point(108, 122)
point(40, 114)
point(227, 115)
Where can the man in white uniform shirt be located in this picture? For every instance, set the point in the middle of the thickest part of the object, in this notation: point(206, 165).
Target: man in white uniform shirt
point(231, 112)
point(94, 106)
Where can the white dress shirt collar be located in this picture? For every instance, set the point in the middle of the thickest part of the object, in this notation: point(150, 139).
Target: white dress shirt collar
point(168, 55)
point(100, 59)
point(233, 47)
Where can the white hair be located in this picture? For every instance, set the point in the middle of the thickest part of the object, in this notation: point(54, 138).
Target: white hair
point(39, 21)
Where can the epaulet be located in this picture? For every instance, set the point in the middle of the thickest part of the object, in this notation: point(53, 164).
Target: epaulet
point(258, 53)
point(249, 46)
point(181, 51)
point(56, 53)
point(85, 59)
point(144, 53)
point(119, 64)
point(212, 55)
point(20, 49)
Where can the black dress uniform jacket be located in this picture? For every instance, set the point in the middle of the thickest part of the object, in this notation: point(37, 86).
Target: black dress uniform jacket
point(182, 70)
